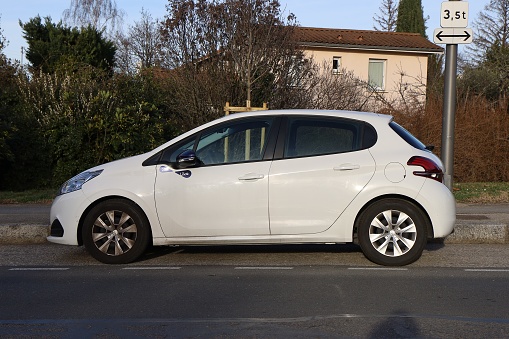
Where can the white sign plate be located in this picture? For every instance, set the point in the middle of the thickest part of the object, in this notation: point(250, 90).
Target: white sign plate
point(454, 14)
point(453, 36)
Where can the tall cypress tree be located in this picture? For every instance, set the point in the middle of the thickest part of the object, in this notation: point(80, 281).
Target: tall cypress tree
point(411, 17)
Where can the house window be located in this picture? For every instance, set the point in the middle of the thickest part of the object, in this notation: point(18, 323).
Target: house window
point(336, 65)
point(376, 74)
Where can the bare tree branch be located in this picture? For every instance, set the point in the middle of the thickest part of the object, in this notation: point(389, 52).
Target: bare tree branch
point(101, 14)
point(388, 16)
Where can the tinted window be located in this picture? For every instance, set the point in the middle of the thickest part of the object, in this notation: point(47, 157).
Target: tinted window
point(311, 137)
point(407, 136)
point(235, 142)
point(171, 153)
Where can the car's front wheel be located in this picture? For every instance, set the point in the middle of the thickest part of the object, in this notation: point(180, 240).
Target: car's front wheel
point(392, 232)
point(116, 232)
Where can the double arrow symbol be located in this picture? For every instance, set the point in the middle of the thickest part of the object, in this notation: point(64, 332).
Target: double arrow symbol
point(440, 35)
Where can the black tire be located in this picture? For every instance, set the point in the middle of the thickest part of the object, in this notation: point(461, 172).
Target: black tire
point(116, 232)
point(392, 232)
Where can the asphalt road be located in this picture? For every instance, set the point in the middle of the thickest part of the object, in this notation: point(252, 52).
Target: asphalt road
point(319, 291)
point(232, 301)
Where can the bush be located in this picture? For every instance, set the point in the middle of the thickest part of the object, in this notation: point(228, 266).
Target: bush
point(88, 118)
point(481, 145)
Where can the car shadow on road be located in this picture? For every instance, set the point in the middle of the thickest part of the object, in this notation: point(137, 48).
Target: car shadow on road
point(159, 251)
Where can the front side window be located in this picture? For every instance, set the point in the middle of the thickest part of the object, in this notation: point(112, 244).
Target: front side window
point(234, 143)
point(376, 74)
point(312, 137)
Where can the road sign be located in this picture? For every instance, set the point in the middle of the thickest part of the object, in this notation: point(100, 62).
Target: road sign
point(453, 36)
point(454, 14)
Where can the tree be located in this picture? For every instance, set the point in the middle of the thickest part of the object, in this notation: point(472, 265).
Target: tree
point(99, 14)
point(386, 20)
point(411, 17)
point(259, 40)
point(3, 40)
point(486, 69)
point(492, 28)
point(229, 50)
point(51, 46)
point(490, 77)
point(141, 47)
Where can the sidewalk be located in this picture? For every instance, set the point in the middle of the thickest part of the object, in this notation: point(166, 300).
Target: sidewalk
point(481, 224)
point(475, 224)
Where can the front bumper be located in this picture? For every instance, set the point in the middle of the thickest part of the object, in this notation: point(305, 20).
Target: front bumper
point(65, 215)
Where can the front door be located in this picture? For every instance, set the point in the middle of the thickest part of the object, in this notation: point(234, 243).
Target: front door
point(227, 193)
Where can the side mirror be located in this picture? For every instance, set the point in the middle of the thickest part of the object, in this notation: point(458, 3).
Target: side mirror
point(187, 159)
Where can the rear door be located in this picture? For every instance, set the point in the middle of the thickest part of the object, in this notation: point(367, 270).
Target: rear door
point(324, 165)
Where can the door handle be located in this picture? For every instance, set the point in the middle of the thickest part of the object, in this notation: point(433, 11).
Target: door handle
point(251, 177)
point(347, 167)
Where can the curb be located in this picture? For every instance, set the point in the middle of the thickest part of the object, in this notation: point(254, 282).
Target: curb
point(479, 233)
point(23, 234)
point(464, 233)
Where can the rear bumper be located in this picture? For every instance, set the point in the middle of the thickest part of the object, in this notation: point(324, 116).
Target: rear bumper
point(440, 205)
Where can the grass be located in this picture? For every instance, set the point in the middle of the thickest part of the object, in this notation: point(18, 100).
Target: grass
point(475, 192)
point(43, 196)
point(482, 192)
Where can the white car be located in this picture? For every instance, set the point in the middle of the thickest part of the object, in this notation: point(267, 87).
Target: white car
point(270, 177)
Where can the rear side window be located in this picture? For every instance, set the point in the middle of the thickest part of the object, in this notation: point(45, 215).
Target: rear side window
point(313, 137)
point(407, 136)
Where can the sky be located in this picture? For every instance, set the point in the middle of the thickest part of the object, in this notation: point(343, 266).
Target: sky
point(345, 14)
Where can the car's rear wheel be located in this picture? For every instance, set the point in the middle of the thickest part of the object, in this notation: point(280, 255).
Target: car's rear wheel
point(116, 232)
point(392, 232)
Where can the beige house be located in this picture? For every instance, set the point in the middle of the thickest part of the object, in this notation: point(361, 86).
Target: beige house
point(393, 64)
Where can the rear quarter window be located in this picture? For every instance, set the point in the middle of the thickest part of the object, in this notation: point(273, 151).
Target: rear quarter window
point(407, 136)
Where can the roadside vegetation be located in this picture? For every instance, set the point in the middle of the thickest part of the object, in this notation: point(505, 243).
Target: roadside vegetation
point(94, 92)
point(482, 192)
point(42, 196)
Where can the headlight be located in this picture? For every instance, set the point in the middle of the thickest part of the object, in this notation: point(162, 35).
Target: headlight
point(75, 183)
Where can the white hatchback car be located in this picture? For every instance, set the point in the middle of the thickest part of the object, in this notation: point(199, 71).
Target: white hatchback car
point(270, 177)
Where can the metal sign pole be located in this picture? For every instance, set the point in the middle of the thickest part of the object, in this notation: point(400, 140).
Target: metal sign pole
point(449, 112)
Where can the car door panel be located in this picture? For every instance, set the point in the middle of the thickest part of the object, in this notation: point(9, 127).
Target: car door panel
point(225, 192)
point(322, 166)
point(214, 201)
point(307, 198)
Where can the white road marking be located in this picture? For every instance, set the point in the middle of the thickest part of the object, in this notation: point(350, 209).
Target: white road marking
point(152, 268)
point(486, 270)
point(39, 269)
point(263, 268)
point(377, 269)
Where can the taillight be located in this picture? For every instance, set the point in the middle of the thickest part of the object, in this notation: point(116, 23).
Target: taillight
point(431, 169)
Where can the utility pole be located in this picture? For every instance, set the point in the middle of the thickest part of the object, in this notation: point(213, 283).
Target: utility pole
point(453, 31)
point(449, 112)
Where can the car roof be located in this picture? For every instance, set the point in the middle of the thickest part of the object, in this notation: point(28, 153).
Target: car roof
point(366, 116)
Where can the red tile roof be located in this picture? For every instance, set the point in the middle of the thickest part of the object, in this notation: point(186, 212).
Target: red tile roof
point(363, 39)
